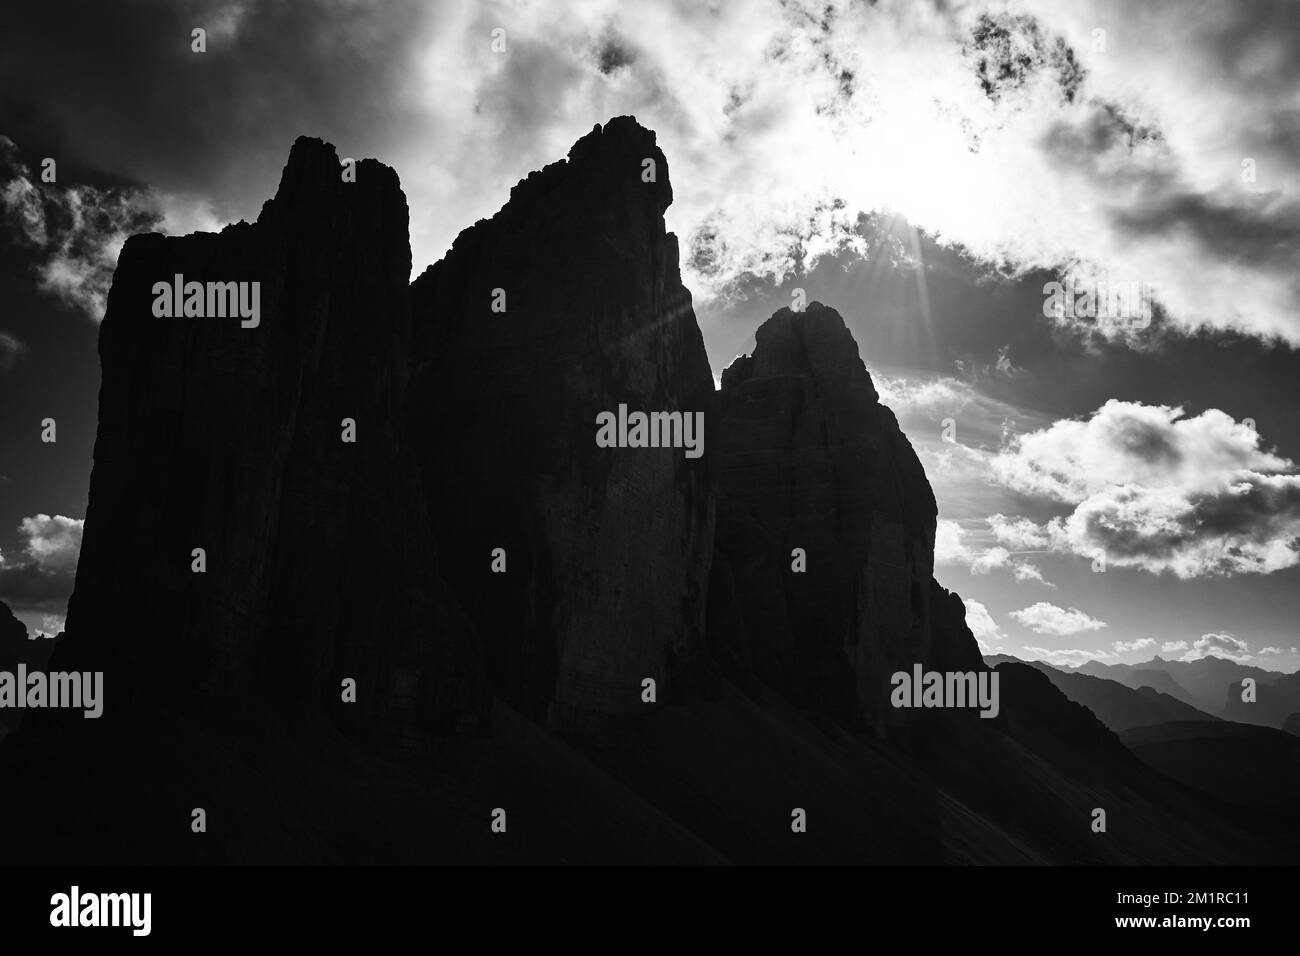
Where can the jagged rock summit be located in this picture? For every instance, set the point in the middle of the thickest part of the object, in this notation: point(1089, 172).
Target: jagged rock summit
point(566, 304)
point(278, 558)
point(814, 468)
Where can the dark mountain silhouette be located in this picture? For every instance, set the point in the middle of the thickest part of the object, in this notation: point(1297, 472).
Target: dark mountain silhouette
point(19, 647)
point(1256, 767)
point(813, 468)
point(229, 439)
point(1199, 682)
point(1276, 701)
point(1136, 677)
point(1117, 706)
point(12, 630)
point(525, 689)
point(606, 554)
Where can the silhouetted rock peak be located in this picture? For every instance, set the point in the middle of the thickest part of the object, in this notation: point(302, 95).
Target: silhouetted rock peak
point(811, 463)
point(12, 630)
point(577, 571)
point(815, 342)
point(276, 450)
point(564, 305)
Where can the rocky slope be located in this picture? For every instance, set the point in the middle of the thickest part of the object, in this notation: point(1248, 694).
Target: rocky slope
point(1277, 699)
point(1117, 706)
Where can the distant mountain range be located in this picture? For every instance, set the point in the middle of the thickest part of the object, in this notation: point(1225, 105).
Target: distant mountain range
point(1232, 758)
point(1120, 706)
point(1211, 685)
point(1202, 683)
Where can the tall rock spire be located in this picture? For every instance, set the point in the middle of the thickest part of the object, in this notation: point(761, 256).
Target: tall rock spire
point(245, 548)
point(565, 305)
point(814, 470)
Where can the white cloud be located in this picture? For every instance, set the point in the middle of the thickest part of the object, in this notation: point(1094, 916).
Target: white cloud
point(982, 625)
point(950, 548)
point(41, 578)
point(1218, 645)
point(1024, 571)
point(932, 398)
point(1153, 489)
point(1173, 647)
point(77, 231)
point(51, 625)
point(1018, 533)
point(1044, 618)
point(53, 542)
point(1072, 656)
point(1141, 644)
point(780, 133)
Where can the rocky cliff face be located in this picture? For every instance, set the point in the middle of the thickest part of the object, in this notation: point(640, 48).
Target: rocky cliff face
point(566, 304)
point(319, 561)
point(822, 583)
point(13, 634)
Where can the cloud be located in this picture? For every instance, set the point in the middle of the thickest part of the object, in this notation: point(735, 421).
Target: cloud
point(42, 578)
point(1141, 644)
point(11, 349)
point(1265, 651)
point(1028, 572)
point(1173, 647)
point(1153, 489)
point(1044, 618)
point(931, 398)
point(51, 625)
point(53, 542)
point(948, 545)
point(982, 625)
point(1071, 656)
point(75, 232)
point(950, 548)
point(1218, 645)
point(1019, 533)
point(786, 122)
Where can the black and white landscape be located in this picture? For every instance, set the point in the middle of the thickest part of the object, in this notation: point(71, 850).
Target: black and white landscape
point(818, 433)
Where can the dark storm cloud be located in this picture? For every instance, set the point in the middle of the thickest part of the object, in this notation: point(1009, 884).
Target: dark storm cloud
point(116, 87)
point(1149, 197)
point(1254, 43)
point(1006, 50)
point(28, 587)
point(614, 53)
point(1264, 232)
